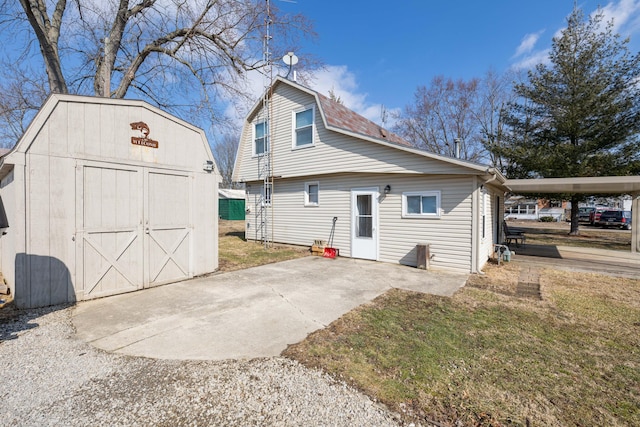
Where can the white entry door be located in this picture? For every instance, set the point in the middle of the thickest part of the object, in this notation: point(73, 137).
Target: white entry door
point(364, 223)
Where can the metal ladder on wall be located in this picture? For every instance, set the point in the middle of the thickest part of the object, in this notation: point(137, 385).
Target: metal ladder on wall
point(263, 206)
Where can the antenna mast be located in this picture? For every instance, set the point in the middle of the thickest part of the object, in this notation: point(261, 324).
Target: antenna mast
point(264, 161)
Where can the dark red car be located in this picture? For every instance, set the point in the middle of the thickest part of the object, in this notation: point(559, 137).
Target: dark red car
point(594, 217)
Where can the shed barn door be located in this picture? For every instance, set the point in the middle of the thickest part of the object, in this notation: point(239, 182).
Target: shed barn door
point(168, 227)
point(132, 229)
point(109, 234)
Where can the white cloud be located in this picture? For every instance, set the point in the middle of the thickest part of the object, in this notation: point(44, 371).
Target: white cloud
point(342, 82)
point(336, 78)
point(253, 84)
point(625, 15)
point(528, 43)
point(530, 61)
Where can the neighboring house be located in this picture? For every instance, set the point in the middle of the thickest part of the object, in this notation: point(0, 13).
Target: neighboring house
point(106, 196)
point(231, 204)
point(521, 208)
point(328, 162)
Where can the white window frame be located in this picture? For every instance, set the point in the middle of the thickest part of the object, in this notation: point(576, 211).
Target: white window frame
point(435, 193)
point(307, 202)
point(253, 138)
point(483, 224)
point(294, 139)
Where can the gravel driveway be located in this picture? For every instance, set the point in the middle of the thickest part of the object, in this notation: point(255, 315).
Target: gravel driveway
point(50, 378)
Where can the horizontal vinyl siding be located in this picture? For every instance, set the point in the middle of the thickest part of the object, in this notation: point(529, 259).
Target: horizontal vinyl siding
point(295, 223)
point(449, 237)
point(333, 152)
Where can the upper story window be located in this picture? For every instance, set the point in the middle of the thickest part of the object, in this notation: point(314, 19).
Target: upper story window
point(421, 204)
point(303, 124)
point(260, 138)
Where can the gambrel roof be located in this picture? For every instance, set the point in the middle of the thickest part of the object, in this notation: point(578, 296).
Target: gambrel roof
point(338, 118)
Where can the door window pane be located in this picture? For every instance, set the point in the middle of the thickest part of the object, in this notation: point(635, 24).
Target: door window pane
point(364, 204)
point(364, 217)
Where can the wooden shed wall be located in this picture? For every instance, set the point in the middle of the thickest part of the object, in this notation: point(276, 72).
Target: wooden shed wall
point(73, 135)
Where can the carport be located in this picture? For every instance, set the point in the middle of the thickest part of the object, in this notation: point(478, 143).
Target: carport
point(587, 185)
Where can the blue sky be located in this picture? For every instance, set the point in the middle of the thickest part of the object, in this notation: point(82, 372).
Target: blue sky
point(379, 52)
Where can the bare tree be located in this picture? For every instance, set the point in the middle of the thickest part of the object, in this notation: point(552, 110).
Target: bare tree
point(182, 55)
point(472, 112)
point(442, 114)
point(494, 95)
point(20, 98)
point(224, 151)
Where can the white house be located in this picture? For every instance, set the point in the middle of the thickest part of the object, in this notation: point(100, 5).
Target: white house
point(106, 196)
point(322, 161)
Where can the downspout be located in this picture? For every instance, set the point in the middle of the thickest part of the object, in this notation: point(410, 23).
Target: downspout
point(635, 223)
point(493, 172)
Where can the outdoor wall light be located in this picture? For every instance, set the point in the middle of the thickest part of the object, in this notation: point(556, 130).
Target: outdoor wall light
point(387, 189)
point(207, 166)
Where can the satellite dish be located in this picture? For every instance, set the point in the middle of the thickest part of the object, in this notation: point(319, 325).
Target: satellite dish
point(290, 59)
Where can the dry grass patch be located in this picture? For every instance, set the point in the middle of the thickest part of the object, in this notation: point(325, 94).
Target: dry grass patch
point(600, 239)
point(235, 253)
point(487, 358)
point(501, 278)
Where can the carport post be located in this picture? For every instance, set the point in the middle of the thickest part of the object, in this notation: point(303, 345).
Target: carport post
point(635, 223)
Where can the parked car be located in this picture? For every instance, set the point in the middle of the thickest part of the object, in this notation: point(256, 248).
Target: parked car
point(620, 219)
point(584, 214)
point(594, 217)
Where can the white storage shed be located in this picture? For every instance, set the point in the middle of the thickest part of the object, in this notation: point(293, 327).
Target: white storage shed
point(103, 197)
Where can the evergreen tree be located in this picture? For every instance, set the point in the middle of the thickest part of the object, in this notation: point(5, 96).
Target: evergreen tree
point(578, 115)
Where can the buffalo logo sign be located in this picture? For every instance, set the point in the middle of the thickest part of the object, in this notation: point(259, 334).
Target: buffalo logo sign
point(144, 141)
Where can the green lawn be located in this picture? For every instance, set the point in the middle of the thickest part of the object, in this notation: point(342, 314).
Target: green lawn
point(487, 358)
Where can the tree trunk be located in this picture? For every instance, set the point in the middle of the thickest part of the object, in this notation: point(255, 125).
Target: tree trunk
point(575, 230)
point(48, 31)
